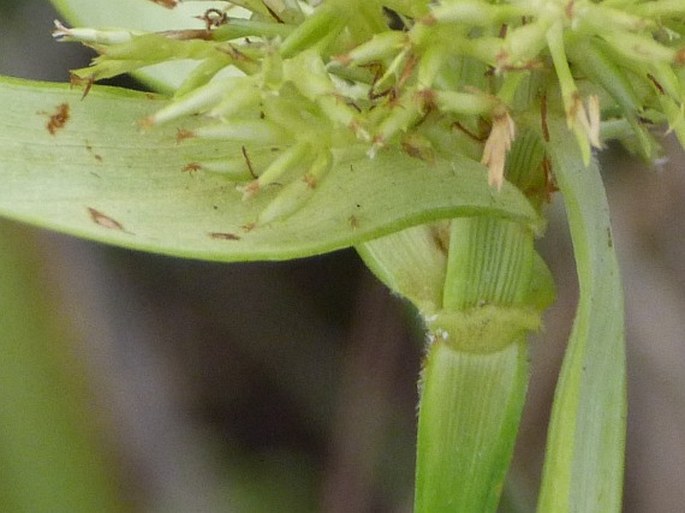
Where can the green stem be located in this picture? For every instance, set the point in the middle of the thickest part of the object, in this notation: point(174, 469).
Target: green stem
point(476, 372)
point(469, 415)
point(480, 287)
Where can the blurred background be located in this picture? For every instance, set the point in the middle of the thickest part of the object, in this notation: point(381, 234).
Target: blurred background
point(292, 386)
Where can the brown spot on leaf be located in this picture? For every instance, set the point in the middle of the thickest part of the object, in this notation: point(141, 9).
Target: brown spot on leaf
point(224, 236)
point(250, 189)
point(187, 35)
point(169, 4)
point(96, 156)
point(192, 167)
point(569, 10)
point(680, 57)
point(58, 119)
point(310, 180)
point(441, 237)
point(182, 134)
point(104, 220)
point(428, 20)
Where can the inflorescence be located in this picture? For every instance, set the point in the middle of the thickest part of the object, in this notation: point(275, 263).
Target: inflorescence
point(313, 80)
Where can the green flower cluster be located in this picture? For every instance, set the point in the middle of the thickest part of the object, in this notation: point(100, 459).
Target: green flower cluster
point(302, 83)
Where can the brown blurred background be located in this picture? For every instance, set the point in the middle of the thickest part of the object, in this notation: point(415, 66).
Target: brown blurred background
point(292, 386)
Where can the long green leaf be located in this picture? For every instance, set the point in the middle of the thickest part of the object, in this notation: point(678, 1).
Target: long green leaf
point(100, 177)
point(583, 469)
point(49, 459)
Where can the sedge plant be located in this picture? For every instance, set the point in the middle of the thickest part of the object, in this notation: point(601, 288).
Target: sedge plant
point(428, 135)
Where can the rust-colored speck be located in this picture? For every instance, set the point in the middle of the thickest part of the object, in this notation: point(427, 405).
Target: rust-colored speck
point(192, 167)
point(310, 180)
point(224, 236)
point(169, 4)
point(441, 238)
point(428, 20)
point(58, 119)
point(680, 57)
point(104, 220)
point(96, 156)
point(569, 10)
point(182, 134)
point(187, 35)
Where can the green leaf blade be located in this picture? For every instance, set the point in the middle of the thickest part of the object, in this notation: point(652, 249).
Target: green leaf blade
point(583, 469)
point(101, 177)
point(52, 457)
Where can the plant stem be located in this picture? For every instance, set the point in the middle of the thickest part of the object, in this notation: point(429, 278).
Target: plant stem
point(476, 375)
point(469, 415)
